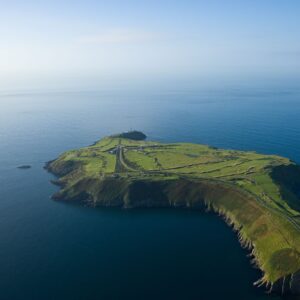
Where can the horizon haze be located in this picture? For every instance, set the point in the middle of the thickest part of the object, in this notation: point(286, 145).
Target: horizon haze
point(93, 45)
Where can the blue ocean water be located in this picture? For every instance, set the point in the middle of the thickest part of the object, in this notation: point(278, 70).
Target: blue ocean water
point(50, 250)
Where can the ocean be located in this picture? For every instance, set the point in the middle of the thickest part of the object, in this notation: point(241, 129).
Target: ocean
point(51, 250)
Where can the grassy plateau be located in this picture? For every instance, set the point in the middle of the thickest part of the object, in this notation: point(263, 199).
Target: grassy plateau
point(258, 195)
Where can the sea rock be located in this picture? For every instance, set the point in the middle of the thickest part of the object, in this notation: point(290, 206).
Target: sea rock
point(24, 167)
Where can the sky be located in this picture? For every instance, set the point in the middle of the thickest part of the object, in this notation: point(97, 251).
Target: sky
point(68, 44)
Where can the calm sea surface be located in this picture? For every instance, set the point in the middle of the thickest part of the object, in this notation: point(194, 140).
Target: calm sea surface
point(50, 250)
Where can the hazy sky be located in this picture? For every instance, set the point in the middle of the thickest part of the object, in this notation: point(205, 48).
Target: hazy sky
point(71, 43)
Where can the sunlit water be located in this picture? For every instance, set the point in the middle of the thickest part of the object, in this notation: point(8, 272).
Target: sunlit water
point(50, 250)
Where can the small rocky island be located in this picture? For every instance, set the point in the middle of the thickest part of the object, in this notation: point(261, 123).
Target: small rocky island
point(24, 167)
point(258, 195)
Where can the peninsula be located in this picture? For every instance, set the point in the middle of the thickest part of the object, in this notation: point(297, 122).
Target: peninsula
point(258, 195)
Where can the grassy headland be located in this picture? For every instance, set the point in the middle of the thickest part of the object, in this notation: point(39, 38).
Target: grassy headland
point(257, 194)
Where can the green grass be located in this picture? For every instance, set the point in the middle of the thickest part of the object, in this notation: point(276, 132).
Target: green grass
point(262, 215)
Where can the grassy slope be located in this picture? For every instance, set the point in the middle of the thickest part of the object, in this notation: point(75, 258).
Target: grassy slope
point(242, 186)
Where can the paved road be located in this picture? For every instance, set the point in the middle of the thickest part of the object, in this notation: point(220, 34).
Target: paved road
point(121, 165)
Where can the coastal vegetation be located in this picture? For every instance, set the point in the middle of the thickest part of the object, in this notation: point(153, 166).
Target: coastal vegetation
point(258, 195)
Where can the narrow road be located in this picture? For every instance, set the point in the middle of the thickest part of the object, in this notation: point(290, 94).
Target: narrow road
point(118, 166)
point(121, 165)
